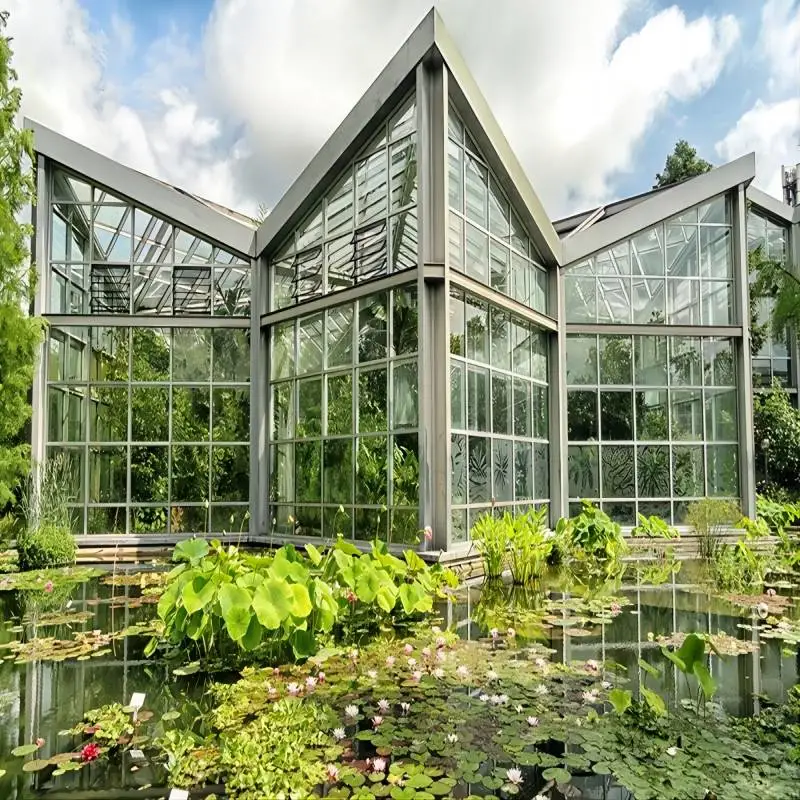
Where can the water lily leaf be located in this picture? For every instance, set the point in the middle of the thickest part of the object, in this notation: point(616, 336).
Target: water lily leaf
point(303, 643)
point(272, 602)
point(649, 669)
point(197, 594)
point(252, 637)
point(557, 774)
point(601, 768)
point(300, 604)
point(35, 765)
point(24, 750)
point(170, 715)
point(235, 603)
point(189, 669)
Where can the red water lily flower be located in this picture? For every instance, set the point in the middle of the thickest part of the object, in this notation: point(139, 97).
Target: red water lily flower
point(90, 752)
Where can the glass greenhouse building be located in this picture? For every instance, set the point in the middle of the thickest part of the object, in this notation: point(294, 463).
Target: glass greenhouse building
point(406, 341)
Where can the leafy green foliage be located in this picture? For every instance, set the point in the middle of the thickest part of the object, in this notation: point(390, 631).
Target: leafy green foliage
point(490, 534)
point(654, 527)
point(591, 542)
point(781, 286)
point(47, 546)
point(19, 333)
point(709, 517)
point(530, 546)
point(690, 659)
point(220, 600)
point(682, 163)
point(777, 423)
point(107, 724)
point(738, 567)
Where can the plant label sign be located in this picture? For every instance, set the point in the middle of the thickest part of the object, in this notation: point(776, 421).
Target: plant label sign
point(178, 794)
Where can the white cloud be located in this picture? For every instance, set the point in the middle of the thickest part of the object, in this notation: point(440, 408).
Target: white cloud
point(236, 119)
point(772, 130)
point(771, 127)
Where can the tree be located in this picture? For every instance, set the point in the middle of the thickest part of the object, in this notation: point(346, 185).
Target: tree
point(772, 281)
point(777, 438)
point(683, 162)
point(20, 334)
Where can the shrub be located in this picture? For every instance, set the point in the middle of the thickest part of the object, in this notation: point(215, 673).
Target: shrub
point(47, 546)
point(591, 540)
point(709, 517)
point(776, 421)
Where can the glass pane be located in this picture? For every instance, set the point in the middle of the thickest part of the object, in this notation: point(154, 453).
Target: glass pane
point(404, 320)
point(501, 339)
point(520, 278)
point(721, 415)
point(404, 240)
point(683, 302)
point(541, 419)
point(652, 416)
point(340, 404)
point(339, 333)
point(477, 323)
point(232, 291)
point(231, 415)
point(108, 474)
point(685, 361)
point(539, 341)
point(718, 362)
point(580, 298)
point(372, 328)
point(478, 399)
point(230, 519)
point(649, 301)
point(282, 472)
point(618, 471)
point(521, 344)
point(651, 360)
point(310, 344)
point(310, 231)
point(458, 526)
point(108, 414)
point(457, 395)
point(455, 176)
point(584, 471)
point(716, 258)
point(723, 470)
point(231, 355)
point(477, 192)
point(191, 354)
point(683, 258)
point(502, 470)
point(111, 233)
point(519, 239)
point(190, 473)
point(499, 259)
point(66, 187)
point(283, 410)
point(523, 471)
point(403, 166)
point(581, 360)
point(339, 208)
point(149, 520)
point(230, 472)
point(477, 254)
point(688, 472)
point(372, 468)
point(647, 252)
point(522, 408)
point(687, 414)
point(581, 415)
point(152, 243)
point(616, 414)
point(455, 241)
point(190, 414)
point(308, 471)
point(372, 400)
point(107, 520)
point(541, 471)
point(616, 360)
point(499, 211)
point(652, 470)
point(458, 469)
point(501, 403)
point(717, 302)
point(716, 212)
point(539, 290)
point(152, 289)
point(149, 414)
point(371, 189)
point(337, 460)
point(149, 474)
point(404, 407)
point(479, 469)
point(614, 300)
point(309, 415)
point(405, 466)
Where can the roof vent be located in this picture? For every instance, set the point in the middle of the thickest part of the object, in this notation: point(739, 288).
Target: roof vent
point(791, 185)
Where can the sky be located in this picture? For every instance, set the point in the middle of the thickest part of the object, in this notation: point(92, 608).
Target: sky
point(230, 99)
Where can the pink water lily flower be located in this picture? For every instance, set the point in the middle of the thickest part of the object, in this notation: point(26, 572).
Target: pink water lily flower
point(378, 764)
point(383, 705)
point(408, 649)
point(377, 720)
point(332, 773)
point(293, 689)
point(390, 661)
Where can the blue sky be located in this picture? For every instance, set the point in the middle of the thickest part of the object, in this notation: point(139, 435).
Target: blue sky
point(231, 98)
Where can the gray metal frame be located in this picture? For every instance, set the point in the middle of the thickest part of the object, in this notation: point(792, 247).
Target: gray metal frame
point(430, 65)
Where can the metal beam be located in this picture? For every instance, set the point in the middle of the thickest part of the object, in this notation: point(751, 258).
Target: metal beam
point(732, 331)
point(770, 205)
point(557, 411)
point(128, 321)
point(39, 251)
point(258, 407)
point(660, 206)
point(141, 189)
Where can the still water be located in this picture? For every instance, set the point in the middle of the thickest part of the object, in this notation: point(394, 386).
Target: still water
point(41, 698)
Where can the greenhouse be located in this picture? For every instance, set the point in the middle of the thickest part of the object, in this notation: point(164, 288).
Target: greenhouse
point(406, 342)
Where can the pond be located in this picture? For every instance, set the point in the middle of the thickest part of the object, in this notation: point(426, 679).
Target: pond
point(613, 629)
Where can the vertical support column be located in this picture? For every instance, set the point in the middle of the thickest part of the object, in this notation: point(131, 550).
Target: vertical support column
point(744, 366)
point(793, 264)
point(39, 252)
point(434, 324)
point(259, 381)
point(557, 378)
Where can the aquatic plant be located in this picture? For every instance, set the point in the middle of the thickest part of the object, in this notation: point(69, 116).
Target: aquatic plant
point(529, 545)
point(710, 517)
point(654, 527)
point(220, 600)
point(491, 536)
point(590, 542)
point(690, 659)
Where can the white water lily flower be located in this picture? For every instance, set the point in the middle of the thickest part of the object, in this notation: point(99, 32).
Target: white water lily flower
point(462, 672)
point(383, 705)
point(763, 610)
point(511, 633)
point(293, 689)
point(416, 675)
point(672, 751)
point(452, 738)
point(518, 709)
point(390, 661)
point(372, 674)
point(514, 776)
point(533, 721)
point(541, 689)
point(483, 698)
point(377, 720)
point(351, 711)
point(491, 675)
point(438, 673)
point(412, 662)
point(404, 707)
point(590, 696)
point(541, 663)
point(338, 734)
point(311, 681)
point(332, 773)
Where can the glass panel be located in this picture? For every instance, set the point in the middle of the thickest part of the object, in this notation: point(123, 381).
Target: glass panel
point(477, 323)
point(66, 187)
point(652, 470)
point(283, 410)
point(581, 360)
point(539, 341)
point(149, 520)
point(499, 211)
point(581, 415)
point(232, 291)
point(717, 300)
point(152, 289)
point(230, 472)
point(521, 344)
point(457, 340)
point(584, 471)
point(522, 408)
point(309, 415)
point(191, 354)
point(339, 208)
point(458, 468)
point(405, 395)
point(718, 362)
point(455, 176)
point(682, 251)
point(231, 355)
point(458, 526)
point(405, 321)
point(501, 403)
point(191, 414)
point(652, 415)
point(108, 414)
point(721, 415)
point(107, 520)
point(618, 471)
point(108, 474)
point(723, 470)
point(541, 419)
point(282, 472)
point(687, 414)
point(651, 360)
point(688, 472)
point(477, 192)
point(308, 471)
point(541, 471)
point(685, 363)
point(371, 189)
point(647, 253)
point(231, 415)
point(613, 300)
point(502, 470)
point(616, 414)
point(683, 298)
point(404, 240)
point(229, 519)
point(339, 334)
point(111, 233)
point(372, 468)
point(149, 414)
point(519, 239)
point(716, 212)
point(580, 298)
point(190, 473)
point(340, 404)
point(479, 469)
point(372, 328)
point(523, 471)
point(152, 243)
point(499, 258)
point(372, 400)
point(716, 258)
point(310, 232)
point(478, 399)
point(616, 360)
point(310, 344)
point(477, 254)
point(501, 339)
point(403, 166)
point(149, 474)
point(405, 488)
point(457, 395)
point(649, 301)
point(455, 241)
point(337, 460)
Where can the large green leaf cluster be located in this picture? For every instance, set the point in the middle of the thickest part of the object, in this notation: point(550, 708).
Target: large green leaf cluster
point(221, 600)
point(590, 539)
point(777, 437)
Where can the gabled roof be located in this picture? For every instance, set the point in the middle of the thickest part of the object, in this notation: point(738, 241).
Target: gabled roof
point(429, 40)
point(207, 219)
point(657, 206)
